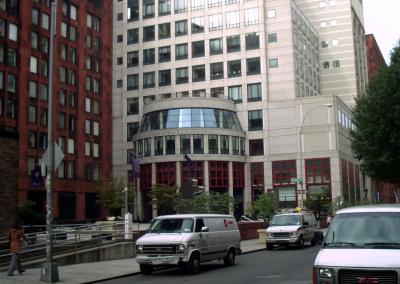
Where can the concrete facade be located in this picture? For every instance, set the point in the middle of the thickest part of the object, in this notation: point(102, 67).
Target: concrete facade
point(303, 120)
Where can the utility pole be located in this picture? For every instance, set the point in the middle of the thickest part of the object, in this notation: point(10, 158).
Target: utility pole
point(49, 271)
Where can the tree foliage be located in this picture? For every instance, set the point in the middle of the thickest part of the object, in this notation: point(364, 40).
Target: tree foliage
point(165, 197)
point(376, 139)
point(264, 206)
point(111, 194)
point(318, 204)
point(213, 203)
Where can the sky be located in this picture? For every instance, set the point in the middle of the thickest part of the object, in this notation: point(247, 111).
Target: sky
point(381, 18)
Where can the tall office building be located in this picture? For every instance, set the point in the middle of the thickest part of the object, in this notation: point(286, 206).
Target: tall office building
point(234, 85)
point(82, 97)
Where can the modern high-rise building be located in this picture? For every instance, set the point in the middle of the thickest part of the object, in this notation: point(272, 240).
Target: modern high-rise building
point(82, 97)
point(238, 86)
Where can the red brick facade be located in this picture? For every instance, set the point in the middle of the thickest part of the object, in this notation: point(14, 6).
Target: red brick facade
point(81, 101)
point(375, 59)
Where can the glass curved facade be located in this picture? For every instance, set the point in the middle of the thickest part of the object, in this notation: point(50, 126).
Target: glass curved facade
point(190, 118)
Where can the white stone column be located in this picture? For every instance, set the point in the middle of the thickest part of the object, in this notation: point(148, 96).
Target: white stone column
point(178, 175)
point(230, 185)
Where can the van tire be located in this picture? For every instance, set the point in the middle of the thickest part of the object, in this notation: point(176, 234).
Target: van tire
point(229, 260)
point(300, 243)
point(270, 246)
point(193, 265)
point(314, 240)
point(146, 269)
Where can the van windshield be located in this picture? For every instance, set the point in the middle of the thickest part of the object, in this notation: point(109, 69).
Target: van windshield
point(378, 230)
point(286, 220)
point(177, 225)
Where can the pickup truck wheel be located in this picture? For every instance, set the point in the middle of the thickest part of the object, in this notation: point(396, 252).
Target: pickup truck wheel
point(193, 265)
point(146, 269)
point(229, 260)
point(270, 246)
point(300, 244)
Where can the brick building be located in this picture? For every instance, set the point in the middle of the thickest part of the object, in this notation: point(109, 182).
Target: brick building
point(82, 96)
point(375, 59)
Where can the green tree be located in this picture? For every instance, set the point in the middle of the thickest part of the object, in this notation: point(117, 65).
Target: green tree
point(318, 204)
point(264, 206)
point(376, 139)
point(29, 216)
point(111, 194)
point(213, 203)
point(165, 198)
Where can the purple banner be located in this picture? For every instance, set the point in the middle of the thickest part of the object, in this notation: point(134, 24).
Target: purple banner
point(135, 168)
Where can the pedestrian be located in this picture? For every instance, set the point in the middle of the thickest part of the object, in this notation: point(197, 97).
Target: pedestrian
point(318, 219)
point(15, 235)
point(328, 219)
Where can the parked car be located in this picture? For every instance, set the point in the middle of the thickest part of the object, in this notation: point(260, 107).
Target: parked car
point(362, 245)
point(188, 240)
point(291, 229)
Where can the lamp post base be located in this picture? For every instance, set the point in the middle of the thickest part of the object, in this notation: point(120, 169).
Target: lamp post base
point(45, 273)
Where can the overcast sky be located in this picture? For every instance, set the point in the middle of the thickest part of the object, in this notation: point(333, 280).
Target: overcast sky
point(381, 18)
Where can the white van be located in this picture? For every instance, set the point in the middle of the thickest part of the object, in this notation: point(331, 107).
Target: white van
point(291, 229)
point(362, 245)
point(187, 240)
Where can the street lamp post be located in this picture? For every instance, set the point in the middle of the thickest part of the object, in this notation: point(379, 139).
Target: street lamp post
point(301, 180)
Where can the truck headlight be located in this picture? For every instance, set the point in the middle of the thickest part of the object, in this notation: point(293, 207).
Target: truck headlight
point(139, 249)
point(181, 248)
point(294, 233)
point(325, 273)
point(269, 235)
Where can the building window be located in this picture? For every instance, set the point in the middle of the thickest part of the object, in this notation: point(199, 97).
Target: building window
point(132, 106)
point(164, 30)
point(235, 145)
point(170, 145)
point(252, 41)
point(212, 144)
point(336, 63)
point(148, 9)
point(164, 54)
point(282, 174)
point(180, 6)
point(217, 92)
point(238, 175)
point(197, 25)
point(132, 82)
point(198, 48)
point(181, 28)
point(253, 66)
point(96, 128)
point(219, 175)
point(251, 16)
point(271, 13)
point(32, 89)
point(224, 144)
point(11, 83)
point(88, 104)
point(198, 73)
point(254, 92)
point(257, 179)
point(325, 64)
point(149, 80)
point(216, 46)
point(215, 22)
point(193, 170)
point(198, 144)
point(87, 148)
point(132, 36)
point(120, 17)
point(256, 147)
point(12, 60)
point(318, 177)
point(185, 144)
point(148, 33)
point(35, 40)
point(232, 19)
point(32, 139)
point(159, 146)
point(132, 59)
point(181, 51)
point(273, 63)
point(164, 77)
point(214, 3)
point(164, 7)
point(149, 56)
point(216, 71)
point(44, 92)
point(235, 93)
point(255, 120)
point(11, 109)
point(273, 37)
point(96, 150)
point(32, 114)
point(234, 68)
point(197, 5)
point(133, 10)
point(166, 173)
point(233, 43)
point(182, 75)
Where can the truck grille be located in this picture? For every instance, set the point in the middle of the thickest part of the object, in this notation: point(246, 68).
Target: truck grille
point(281, 235)
point(367, 276)
point(159, 249)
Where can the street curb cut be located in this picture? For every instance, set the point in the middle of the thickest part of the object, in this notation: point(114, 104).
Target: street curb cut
point(137, 273)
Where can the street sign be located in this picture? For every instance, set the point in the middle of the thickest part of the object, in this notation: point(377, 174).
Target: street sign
point(58, 156)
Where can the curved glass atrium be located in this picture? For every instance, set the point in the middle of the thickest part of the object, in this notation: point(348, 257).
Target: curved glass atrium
point(190, 118)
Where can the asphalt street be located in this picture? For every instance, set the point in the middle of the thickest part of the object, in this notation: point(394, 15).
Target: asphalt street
point(281, 266)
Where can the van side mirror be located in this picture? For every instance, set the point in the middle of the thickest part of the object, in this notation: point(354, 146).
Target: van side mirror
point(205, 229)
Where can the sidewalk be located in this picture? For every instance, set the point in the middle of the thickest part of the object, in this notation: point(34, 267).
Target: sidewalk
point(89, 272)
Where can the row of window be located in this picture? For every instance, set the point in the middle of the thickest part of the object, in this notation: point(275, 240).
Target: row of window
point(345, 120)
point(328, 64)
point(45, 19)
point(8, 30)
point(189, 144)
point(180, 6)
point(11, 7)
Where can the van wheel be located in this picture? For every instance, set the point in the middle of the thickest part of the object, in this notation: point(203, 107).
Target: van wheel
point(229, 260)
point(270, 246)
point(300, 244)
point(314, 240)
point(146, 269)
point(193, 265)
